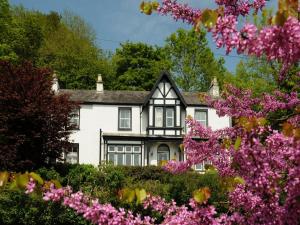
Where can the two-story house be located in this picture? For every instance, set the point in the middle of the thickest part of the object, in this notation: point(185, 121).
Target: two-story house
point(136, 127)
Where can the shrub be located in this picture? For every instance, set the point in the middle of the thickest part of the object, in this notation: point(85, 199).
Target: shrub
point(17, 208)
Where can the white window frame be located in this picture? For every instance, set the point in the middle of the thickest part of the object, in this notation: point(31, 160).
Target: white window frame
point(172, 117)
point(120, 118)
point(75, 118)
point(72, 156)
point(156, 118)
point(203, 122)
point(134, 150)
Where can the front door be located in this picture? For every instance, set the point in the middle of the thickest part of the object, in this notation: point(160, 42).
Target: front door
point(163, 154)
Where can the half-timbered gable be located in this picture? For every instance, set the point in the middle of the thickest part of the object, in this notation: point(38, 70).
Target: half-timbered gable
point(165, 106)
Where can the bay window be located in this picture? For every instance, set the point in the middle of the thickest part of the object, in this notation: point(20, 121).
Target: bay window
point(129, 155)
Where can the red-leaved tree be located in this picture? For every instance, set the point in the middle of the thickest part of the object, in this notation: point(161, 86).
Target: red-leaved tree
point(34, 121)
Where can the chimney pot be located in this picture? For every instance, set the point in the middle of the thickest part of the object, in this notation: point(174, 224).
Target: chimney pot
point(214, 89)
point(55, 85)
point(99, 84)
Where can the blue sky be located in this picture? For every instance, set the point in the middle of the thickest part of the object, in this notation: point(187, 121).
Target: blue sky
point(116, 21)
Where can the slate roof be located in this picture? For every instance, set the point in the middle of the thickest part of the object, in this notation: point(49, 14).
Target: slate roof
point(107, 97)
point(122, 97)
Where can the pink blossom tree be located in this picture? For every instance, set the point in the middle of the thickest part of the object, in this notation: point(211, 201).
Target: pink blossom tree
point(261, 156)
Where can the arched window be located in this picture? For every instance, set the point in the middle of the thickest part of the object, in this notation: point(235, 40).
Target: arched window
point(163, 153)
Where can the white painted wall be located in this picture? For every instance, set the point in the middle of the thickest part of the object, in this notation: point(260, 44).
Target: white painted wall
point(214, 121)
point(105, 117)
point(92, 119)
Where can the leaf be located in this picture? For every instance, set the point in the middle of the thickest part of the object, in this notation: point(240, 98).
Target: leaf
point(22, 180)
point(209, 18)
point(181, 147)
point(142, 5)
point(226, 143)
point(287, 129)
point(56, 183)
point(146, 7)
point(237, 143)
point(163, 162)
point(37, 178)
point(262, 121)
point(239, 180)
point(140, 195)
point(202, 195)
point(3, 178)
point(297, 133)
point(155, 5)
point(280, 18)
point(127, 195)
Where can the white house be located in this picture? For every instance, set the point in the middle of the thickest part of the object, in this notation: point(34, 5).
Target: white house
point(136, 127)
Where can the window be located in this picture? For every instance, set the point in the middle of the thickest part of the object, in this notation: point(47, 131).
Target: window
point(201, 117)
point(74, 118)
point(72, 156)
point(201, 166)
point(163, 154)
point(158, 116)
point(125, 155)
point(124, 118)
point(170, 117)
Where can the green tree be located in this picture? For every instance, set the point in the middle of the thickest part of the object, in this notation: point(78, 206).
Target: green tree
point(137, 66)
point(193, 63)
point(65, 43)
point(69, 48)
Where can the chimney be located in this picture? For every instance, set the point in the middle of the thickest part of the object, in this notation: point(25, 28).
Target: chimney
point(99, 84)
point(55, 85)
point(214, 90)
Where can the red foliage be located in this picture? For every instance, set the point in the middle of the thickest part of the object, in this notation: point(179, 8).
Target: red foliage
point(34, 121)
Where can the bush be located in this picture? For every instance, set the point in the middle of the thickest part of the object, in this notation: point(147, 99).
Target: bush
point(105, 181)
point(17, 208)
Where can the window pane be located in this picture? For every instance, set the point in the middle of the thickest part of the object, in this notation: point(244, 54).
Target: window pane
point(170, 117)
point(158, 116)
point(128, 148)
point(125, 118)
point(120, 148)
point(119, 159)
point(74, 118)
point(137, 149)
point(111, 157)
point(170, 122)
point(128, 159)
point(136, 159)
point(72, 155)
point(111, 148)
point(200, 166)
point(201, 117)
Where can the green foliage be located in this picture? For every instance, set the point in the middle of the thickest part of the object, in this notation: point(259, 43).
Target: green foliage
point(137, 66)
point(193, 63)
point(65, 43)
point(17, 208)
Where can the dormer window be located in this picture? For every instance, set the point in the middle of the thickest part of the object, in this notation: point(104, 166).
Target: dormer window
point(170, 117)
point(124, 118)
